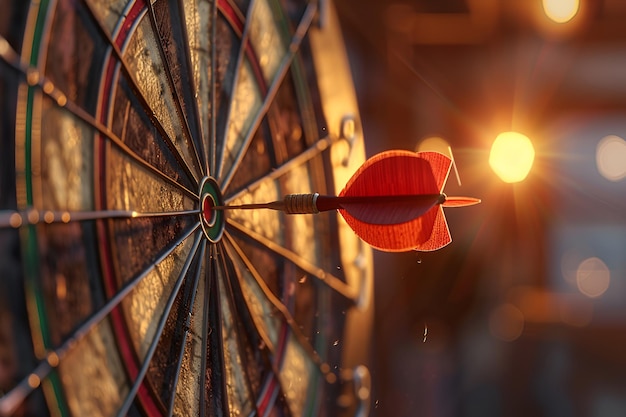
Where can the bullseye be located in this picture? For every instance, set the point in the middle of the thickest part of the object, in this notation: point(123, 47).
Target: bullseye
point(207, 210)
point(211, 220)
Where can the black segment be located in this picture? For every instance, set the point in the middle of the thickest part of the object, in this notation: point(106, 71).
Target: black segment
point(75, 58)
point(136, 243)
point(133, 126)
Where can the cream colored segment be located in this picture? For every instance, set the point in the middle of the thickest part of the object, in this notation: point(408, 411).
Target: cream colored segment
point(94, 358)
point(266, 39)
point(109, 12)
point(144, 305)
point(264, 222)
point(148, 69)
point(132, 188)
point(188, 389)
point(144, 59)
point(295, 376)
point(239, 396)
point(67, 174)
point(245, 106)
point(263, 312)
point(198, 22)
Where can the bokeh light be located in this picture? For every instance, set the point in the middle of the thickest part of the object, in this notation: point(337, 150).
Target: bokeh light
point(593, 277)
point(611, 158)
point(511, 157)
point(561, 11)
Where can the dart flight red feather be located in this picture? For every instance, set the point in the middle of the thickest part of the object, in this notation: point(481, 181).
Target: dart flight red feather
point(419, 225)
point(394, 201)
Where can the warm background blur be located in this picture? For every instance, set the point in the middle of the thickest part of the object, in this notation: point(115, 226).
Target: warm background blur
point(524, 314)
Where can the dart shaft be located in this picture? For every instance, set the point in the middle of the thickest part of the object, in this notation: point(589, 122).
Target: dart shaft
point(291, 204)
point(314, 203)
point(325, 203)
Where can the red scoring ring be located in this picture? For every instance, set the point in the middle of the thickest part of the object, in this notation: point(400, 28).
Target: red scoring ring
point(208, 214)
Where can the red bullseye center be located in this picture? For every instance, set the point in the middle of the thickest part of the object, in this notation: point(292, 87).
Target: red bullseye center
point(208, 211)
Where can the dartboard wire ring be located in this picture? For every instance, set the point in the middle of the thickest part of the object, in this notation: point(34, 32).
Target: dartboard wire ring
point(56, 355)
point(8, 219)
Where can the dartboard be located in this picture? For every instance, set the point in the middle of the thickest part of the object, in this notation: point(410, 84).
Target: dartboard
point(125, 290)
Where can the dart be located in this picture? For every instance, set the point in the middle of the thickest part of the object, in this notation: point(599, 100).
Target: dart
point(394, 201)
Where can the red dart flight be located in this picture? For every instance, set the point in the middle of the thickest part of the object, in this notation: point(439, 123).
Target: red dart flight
point(394, 201)
point(404, 206)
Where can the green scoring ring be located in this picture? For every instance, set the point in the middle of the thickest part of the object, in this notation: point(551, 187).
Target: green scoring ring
point(212, 221)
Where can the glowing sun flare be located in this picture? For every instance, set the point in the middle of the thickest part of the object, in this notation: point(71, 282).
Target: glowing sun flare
point(511, 157)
